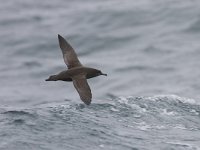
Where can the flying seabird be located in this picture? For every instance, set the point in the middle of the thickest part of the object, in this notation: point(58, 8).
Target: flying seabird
point(76, 72)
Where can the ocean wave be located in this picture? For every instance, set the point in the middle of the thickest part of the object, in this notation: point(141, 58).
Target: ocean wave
point(121, 118)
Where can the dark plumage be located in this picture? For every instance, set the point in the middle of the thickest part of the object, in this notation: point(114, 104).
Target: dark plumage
point(76, 72)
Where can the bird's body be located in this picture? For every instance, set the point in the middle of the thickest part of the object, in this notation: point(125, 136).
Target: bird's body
point(67, 75)
point(77, 73)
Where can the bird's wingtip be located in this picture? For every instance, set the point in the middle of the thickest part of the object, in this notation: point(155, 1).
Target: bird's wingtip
point(61, 39)
point(59, 36)
point(87, 102)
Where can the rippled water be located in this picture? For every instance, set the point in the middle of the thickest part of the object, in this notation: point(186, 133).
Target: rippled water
point(150, 50)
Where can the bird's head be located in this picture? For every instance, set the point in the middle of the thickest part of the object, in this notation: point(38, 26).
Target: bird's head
point(52, 78)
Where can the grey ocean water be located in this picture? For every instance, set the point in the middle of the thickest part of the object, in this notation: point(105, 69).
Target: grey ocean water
point(150, 50)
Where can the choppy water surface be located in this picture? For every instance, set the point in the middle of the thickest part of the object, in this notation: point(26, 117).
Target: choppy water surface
point(150, 50)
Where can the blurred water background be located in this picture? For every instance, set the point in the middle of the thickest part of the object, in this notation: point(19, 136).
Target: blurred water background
point(150, 50)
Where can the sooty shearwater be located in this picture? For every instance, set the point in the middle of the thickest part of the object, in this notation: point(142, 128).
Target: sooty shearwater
point(76, 72)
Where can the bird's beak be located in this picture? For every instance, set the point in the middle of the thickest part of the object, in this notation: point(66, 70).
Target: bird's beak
point(104, 74)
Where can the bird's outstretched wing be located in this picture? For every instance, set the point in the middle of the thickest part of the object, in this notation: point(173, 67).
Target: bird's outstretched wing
point(81, 85)
point(69, 55)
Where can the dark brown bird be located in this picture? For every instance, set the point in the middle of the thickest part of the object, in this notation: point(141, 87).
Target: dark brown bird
point(76, 72)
